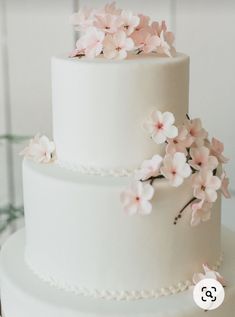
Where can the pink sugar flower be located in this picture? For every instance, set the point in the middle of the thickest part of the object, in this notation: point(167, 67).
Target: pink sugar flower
point(208, 273)
point(83, 19)
point(180, 143)
point(196, 130)
point(201, 212)
point(145, 41)
point(135, 199)
point(224, 185)
point(175, 168)
point(205, 185)
point(160, 126)
point(202, 159)
point(143, 22)
point(217, 149)
point(40, 150)
point(149, 168)
point(129, 21)
point(91, 43)
point(111, 8)
point(161, 28)
point(163, 47)
point(117, 45)
point(108, 23)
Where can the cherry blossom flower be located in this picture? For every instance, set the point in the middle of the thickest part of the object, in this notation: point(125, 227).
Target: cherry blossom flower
point(135, 199)
point(175, 168)
point(129, 21)
point(224, 185)
point(145, 41)
point(108, 23)
point(163, 47)
point(90, 44)
point(161, 28)
point(117, 45)
point(160, 126)
point(166, 39)
point(202, 159)
point(83, 19)
point(208, 273)
point(201, 212)
point(110, 8)
point(217, 149)
point(195, 129)
point(144, 21)
point(40, 149)
point(180, 143)
point(149, 168)
point(205, 185)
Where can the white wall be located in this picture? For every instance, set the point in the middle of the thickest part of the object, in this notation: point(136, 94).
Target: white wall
point(34, 30)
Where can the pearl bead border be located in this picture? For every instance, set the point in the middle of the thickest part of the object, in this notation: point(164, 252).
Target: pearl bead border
point(86, 169)
point(113, 294)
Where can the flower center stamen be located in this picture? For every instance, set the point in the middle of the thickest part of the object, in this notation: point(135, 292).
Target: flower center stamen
point(159, 126)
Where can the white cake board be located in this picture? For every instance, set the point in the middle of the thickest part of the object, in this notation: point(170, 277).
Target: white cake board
point(24, 295)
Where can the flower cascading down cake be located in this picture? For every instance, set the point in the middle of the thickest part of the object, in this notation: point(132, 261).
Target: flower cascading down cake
point(125, 203)
point(124, 145)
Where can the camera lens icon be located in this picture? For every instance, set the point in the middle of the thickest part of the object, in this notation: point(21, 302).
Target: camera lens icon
point(208, 294)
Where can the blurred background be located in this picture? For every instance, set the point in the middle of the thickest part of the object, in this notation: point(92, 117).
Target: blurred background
point(31, 31)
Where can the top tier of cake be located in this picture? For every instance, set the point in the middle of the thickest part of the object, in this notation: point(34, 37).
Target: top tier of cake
point(99, 107)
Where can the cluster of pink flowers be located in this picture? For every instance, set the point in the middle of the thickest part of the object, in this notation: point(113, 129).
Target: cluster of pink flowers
point(188, 152)
point(114, 32)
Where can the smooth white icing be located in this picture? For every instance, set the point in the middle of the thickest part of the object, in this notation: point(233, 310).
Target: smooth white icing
point(78, 234)
point(24, 295)
point(99, 107)
point(114, 294)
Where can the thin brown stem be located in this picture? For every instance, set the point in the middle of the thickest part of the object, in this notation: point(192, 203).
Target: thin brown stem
point(182, 210)
point(152, 179)
point(139, 52)
point(187, 116)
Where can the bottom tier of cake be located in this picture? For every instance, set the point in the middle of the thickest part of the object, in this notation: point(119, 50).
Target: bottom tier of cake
point(24, 295)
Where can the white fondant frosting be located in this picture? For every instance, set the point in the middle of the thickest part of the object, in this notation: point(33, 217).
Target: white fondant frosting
point(24, 295)
point(78, 234)
point(115, 294)
point(99, 107)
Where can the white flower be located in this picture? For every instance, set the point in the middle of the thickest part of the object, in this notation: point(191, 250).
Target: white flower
point(201, 212)
point(208, 273)
point(117, 45)
point(149, 168)
point(205, 185)
point(130, 21)
point(135, 199)
point(163, 47)
point(83, 18)
point(201, 158)
point(175, 168)
point(160, 126)
point(91, 43)
point(40, 150)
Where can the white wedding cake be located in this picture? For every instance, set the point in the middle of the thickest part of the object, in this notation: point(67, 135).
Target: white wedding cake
point(125, 204)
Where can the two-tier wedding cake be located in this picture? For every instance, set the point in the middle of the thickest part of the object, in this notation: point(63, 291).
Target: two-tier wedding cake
point(123, 208)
